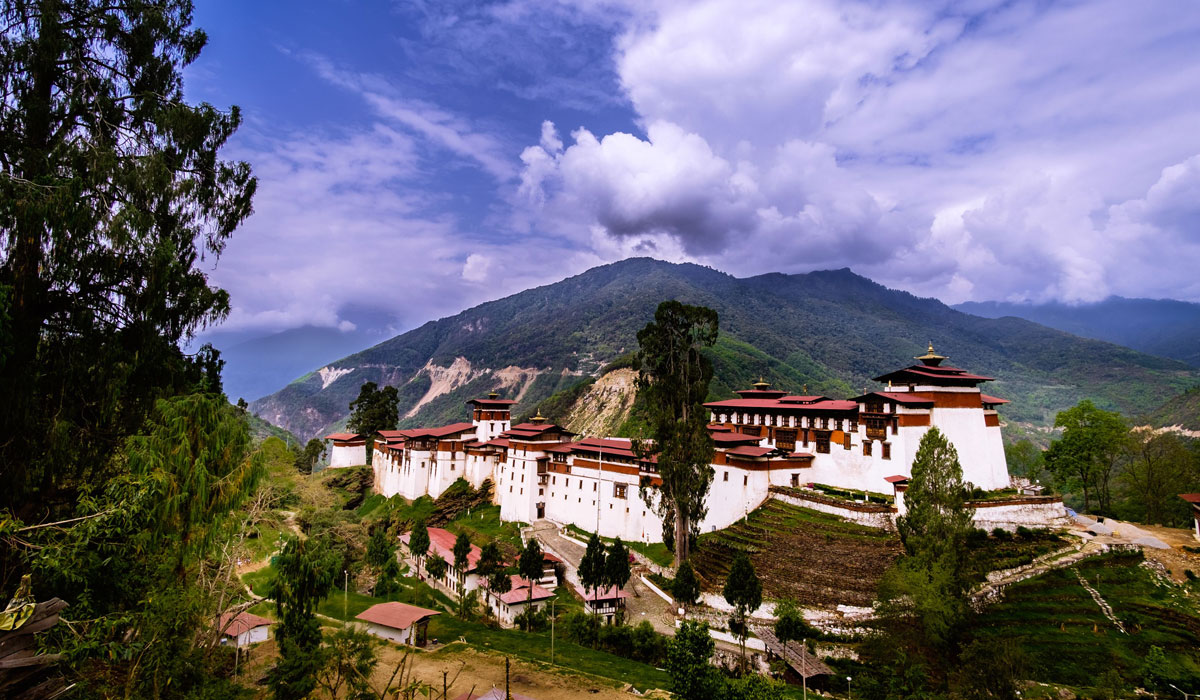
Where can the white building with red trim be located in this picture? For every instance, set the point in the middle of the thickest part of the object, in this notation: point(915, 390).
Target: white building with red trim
point(346, 450)
point(764, 438)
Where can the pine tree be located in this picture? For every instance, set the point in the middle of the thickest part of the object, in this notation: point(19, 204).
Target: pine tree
point(305, 574)
point(591, 567)
point(531, 566)
point(373, 410)
point(930, 583)
point(112, 190)
point(686, 587)
point(616, 565)
point(743, 591)
point(418, 543)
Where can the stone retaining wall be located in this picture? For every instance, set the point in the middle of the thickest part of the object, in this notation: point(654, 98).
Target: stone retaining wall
point(870, 514)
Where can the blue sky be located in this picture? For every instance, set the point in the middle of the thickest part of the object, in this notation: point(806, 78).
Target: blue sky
point(419, 158)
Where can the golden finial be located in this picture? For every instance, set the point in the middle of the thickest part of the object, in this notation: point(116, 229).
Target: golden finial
point(889, 384)
point(493, 395)
point(539, 418)
point(931, 358)
point(806, 389)
point(761, 383)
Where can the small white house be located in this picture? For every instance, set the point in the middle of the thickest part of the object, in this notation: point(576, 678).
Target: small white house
point(522, 595)
point(398, 622)
point(347, 450)
point(244, 628)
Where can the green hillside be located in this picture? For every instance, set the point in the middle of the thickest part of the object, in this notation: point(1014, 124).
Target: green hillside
point(1182, 410)
point(831, 330)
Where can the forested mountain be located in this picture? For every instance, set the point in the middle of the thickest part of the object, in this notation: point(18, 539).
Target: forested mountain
point(832, 330)
point(1158, 326)
point(1182, 411)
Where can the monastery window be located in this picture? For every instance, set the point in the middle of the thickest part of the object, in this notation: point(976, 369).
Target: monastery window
point(554, 479)
point(594, 485)
point(795, 480)
point(619, 490)
point(510, 489)
point(845, 441)
point(522, 492)
point(541, 491)
point(726, 477)
point(866, 448)
point(887, 450)
point(822, 440)
point(895, 426)
point(745, 480)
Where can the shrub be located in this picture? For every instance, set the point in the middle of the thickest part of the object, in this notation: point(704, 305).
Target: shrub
point(1025, 533)
point(1191, 575)
point(1001, 534)
point(976, 537)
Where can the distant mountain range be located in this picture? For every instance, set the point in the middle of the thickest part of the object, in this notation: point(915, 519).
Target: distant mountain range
point(1157, 326)
point(831, 331)
point(259, 366)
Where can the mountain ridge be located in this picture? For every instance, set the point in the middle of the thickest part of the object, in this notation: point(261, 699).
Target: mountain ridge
point(1164, 327)
point(831, 330)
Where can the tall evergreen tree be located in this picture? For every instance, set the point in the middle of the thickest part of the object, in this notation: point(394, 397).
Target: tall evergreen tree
point(111, 191)
point(930, 583)
point(530, 566)
point(306, 570)
point(380, 548)
point(673, 378)
point(418, 543)
point(591, 566)
point(616, 565)
point(373, 410)
point(743, 591)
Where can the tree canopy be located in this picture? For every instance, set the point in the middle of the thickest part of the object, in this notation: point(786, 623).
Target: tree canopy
point(112, 189)
point(1086, 456)
point(673, 379)
point(743, 591)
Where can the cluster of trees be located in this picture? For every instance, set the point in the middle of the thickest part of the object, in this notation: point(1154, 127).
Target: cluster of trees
point(1109, 468)
point(125, 469)
point(602, 568)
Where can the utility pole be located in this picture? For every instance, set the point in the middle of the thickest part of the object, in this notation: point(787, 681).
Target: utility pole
point(444, 689)
point(346, 595)
point(804, 674)
point(507, 695)
point(552, 602)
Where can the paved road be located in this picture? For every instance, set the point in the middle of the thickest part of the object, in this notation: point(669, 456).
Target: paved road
point(642, 604)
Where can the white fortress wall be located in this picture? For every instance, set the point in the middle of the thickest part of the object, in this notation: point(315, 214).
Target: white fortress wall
point(965, 429)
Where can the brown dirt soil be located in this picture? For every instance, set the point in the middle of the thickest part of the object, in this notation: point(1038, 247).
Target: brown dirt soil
point(479, 669)
point(818, 559)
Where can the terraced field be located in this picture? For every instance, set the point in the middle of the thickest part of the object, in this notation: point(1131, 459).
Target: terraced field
point(818, 559)
point(1069, 640)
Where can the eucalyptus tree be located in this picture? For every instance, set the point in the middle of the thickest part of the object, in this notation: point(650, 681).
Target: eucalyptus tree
point(673, 379)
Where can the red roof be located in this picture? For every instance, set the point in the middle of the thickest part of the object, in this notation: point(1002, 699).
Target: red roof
point(622, 448)
point(803, 399)
point(951, 375)
point(610, 593)
point(717, 427)
point(992, 399)
point(750, 451)
point(898, 397)
point(441, 542)
point(493, 402)
point(735, 437)
point(1190, 497)
point(343, 437)
point(392, 434)
point(898, 479)
point(822, 405)
point(235, 626)
point(801, 455)
point(399, 616)
point(520, 592)
point(497, 442)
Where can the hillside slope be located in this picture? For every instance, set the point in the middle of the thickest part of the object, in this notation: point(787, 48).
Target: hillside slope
point(1161, 327)
point(831, 331)
point(1182, 411)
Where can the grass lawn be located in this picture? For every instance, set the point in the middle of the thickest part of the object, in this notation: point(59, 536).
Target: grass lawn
point(535, 646)
point(656, 552)
point(993, 554)
point(1068, 639)
point(414, 593)
point(483, 525)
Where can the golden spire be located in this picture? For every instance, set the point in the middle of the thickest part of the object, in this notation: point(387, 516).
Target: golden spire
point(493, 395)
point(762, 383)
point(806, 389)
point(931, 358)
point(539, 418)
